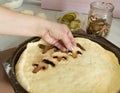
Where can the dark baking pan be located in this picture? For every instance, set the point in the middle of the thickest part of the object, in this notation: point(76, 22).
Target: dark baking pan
point(9, 65)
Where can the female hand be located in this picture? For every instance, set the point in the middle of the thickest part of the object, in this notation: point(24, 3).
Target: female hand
point(58, 35)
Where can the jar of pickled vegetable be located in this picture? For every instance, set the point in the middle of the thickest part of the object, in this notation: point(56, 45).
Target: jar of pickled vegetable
point(100, 18)
point(73, 19)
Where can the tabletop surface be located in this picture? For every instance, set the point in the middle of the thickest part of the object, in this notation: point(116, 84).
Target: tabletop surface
point(8, 42)
point(5, 86)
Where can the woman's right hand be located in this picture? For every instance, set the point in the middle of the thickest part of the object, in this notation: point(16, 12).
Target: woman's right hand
point(56, 34)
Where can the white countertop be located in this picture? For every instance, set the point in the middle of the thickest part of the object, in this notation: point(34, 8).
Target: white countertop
point(13, 41)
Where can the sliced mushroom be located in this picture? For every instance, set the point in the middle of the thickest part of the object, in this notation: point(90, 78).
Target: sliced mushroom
point(56, 49)
point(59, 58)
point(39, 66)
point(59, 55)
point(47, 61)
point(75, 52)
point(78, 45)
point(78, 52)
point(35, 64)
point(45, 47)
point(41, 46)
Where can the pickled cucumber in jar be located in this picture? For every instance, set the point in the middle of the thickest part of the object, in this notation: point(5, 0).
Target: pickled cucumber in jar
point(71, 20)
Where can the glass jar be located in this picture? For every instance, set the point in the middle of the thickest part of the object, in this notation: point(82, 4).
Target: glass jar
point(100, 18)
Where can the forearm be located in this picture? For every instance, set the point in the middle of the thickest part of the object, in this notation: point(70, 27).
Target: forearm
point(14, 23)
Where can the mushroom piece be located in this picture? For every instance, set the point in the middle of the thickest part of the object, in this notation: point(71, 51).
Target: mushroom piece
point(47, 61)
point(39, 66)
point(59, 58)
point(50, 60)
point(75, 52)
point(59, 55)
point(56, 49)
point(81, 47)
point(45, 47)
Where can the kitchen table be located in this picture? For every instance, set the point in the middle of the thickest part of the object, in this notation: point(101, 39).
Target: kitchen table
point(8, 42)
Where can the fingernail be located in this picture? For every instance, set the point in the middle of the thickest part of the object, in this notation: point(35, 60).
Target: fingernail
point(71, 48)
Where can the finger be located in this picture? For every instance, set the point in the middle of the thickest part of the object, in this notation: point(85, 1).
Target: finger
point(49, 39)
point(54, 42)
point(67, 42)
point(60, 46)
point(71, 38)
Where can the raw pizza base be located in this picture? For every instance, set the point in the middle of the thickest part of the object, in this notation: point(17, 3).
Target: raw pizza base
point(95, 71)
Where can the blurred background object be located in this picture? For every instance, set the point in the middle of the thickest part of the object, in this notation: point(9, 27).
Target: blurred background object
point(80, 5)
point(73, 19)
point(13, 3)
point(100, 18)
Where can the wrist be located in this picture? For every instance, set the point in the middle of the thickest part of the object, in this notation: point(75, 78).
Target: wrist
point(42, 27)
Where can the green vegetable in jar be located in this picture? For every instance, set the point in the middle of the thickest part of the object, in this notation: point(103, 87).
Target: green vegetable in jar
point(71, 20)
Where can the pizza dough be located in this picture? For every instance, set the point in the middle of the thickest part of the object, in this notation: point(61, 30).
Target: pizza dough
point(96, 70)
